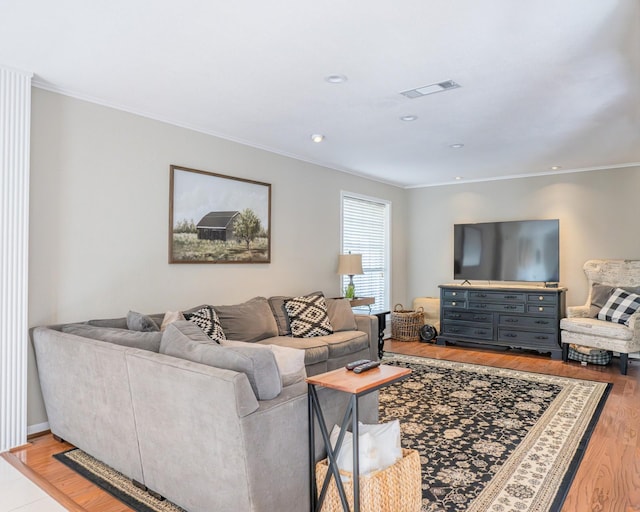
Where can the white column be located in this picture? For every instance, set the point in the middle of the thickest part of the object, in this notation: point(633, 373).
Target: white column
point(15, 114)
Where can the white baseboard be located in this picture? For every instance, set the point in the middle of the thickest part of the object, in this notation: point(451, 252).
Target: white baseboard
point(36, 429)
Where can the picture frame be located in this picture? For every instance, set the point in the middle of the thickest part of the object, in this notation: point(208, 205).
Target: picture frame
point(214, 218)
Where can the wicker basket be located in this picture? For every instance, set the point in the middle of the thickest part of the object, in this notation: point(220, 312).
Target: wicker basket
point(397, 488)
point(405, 324)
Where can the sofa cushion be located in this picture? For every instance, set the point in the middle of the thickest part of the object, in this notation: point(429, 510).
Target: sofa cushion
point(179, 340)
point(619, 307)
point(116, 323)
point(345, 343)
point(316, 350)
point(290, 360)
point(140, 322)
point(595, 327)
point(341, 315)
point(135, 339)
point(250, 321)
point(207, 319)
point(308, 316)
point(276, 304)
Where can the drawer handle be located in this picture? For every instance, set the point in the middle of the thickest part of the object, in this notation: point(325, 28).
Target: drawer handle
point(542, 337)
point(510, 296)
point(510, 335)
point(512, 320)
point(541, 297)
point(482, 295)
point(541, 308)
point(456, 315)
point(479, 332)
point(480, 318)
point(542, 322)
point(510, 306)
point(455, 329)
point(481, 306)
point(454, 303)
point(454, 293)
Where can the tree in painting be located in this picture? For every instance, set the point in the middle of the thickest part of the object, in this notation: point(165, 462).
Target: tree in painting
point(247, 227)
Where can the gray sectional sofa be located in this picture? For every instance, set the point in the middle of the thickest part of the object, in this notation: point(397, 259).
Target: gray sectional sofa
point(210, 427)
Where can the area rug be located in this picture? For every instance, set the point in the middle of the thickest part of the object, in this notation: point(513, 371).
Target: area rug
point(492, 439)
point(115, 483)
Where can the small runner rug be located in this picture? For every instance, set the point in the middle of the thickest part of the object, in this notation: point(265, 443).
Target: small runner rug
point(115, 483)
point(492, 439)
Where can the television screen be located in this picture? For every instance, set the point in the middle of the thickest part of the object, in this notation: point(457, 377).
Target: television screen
point(525, 250)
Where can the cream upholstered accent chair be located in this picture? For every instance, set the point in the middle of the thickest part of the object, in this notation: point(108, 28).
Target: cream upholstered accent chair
point(582, 327)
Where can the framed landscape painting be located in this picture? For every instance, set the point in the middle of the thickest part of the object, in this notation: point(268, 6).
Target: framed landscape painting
point(215, 218)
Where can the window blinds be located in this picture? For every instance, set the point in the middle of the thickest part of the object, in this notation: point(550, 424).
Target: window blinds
point(365, 230)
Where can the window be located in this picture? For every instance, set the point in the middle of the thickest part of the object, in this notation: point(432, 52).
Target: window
point(365, 230)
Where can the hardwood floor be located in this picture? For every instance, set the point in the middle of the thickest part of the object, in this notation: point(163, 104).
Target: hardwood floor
point(608, 479)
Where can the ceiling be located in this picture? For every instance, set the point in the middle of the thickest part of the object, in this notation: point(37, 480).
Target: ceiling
point(547, 83)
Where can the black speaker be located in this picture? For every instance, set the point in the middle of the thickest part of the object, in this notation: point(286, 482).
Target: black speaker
point(428, 333)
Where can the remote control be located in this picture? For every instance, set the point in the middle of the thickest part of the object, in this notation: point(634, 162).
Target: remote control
point(353, 364)
point(366, 366)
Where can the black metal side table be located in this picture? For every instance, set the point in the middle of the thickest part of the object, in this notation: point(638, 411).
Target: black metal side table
point(356, 385)
point(382, 325)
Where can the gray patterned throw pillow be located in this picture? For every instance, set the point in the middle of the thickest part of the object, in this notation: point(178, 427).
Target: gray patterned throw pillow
point(308, 316)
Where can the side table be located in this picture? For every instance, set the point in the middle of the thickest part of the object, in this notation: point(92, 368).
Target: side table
point(382, 325)
point(356, 385)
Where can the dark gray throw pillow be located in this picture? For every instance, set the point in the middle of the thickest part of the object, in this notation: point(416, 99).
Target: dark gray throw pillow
point(139, 322)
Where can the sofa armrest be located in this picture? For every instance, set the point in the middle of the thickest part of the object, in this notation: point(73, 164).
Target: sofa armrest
point(369, 325)
point(578, 312)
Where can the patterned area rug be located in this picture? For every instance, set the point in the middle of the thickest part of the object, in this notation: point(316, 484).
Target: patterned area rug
point(116, 484)
point(491, 439)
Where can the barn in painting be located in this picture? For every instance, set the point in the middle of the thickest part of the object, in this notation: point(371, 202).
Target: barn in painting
point(217, 226)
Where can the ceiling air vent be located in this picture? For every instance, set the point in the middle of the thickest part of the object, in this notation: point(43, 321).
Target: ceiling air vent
point(430, 89)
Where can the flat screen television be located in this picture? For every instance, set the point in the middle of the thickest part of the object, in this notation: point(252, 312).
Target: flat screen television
point(525, 250)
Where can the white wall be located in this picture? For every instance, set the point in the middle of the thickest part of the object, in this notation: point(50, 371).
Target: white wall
point(598, 214)
point(100, 208)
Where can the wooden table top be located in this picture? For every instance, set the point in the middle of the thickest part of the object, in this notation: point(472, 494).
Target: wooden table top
point(357, 383)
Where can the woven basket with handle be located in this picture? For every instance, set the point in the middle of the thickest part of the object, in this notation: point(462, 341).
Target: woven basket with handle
point(397, 488)
point(405, 324)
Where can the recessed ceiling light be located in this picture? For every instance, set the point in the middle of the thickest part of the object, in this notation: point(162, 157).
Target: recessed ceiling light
point(418, 92)
point(456, 146)
point(336, 79)
point(555, 167)
point(408, 118)
point(458, 178)
point(316, 137)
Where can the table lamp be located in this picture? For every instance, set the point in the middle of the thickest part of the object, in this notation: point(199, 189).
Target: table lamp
point(350, 265)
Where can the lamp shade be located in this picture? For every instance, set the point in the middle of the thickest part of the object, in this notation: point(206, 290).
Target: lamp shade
point(350, 264)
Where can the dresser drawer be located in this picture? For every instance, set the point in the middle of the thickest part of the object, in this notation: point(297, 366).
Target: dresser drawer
point(460, 304)
point(542, 298)
point(454, 294)
point(468, 331)
point(467, 316)
point(529, 322)
point(541, 310)
point(496, 296)
point(530, 338)
point(490, 306)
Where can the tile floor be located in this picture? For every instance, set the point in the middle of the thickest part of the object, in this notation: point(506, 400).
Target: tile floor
point(19, 494)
